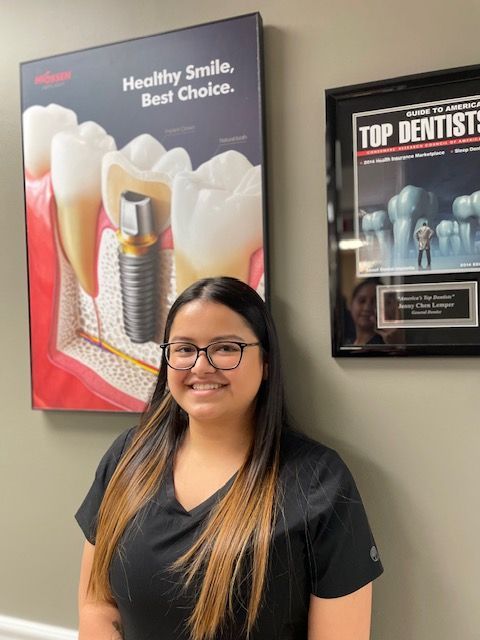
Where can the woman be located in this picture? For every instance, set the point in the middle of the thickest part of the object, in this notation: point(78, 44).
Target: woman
point(363, 309)
point(213, 520)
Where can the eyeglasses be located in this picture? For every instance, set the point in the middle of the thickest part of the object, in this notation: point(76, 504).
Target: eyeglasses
point(221, 355)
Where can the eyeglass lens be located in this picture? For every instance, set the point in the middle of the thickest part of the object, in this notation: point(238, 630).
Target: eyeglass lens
point(223, 355)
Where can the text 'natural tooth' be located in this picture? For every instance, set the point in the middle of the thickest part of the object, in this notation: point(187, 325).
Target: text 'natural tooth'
point(76, 179)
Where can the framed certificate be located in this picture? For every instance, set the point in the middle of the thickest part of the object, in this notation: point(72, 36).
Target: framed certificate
point(403, 190)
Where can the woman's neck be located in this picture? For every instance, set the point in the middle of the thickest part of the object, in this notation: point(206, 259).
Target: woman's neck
point(218, 440)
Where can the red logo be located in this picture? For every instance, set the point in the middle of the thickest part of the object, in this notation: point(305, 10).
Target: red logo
point(53, 78)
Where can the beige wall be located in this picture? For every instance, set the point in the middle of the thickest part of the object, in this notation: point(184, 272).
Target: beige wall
point(408, 428)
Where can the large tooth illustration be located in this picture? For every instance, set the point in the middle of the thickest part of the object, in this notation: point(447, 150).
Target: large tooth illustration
point(467, 214)
point(368, 230)
point(40, 124)
point(76, 179)
point(378, 226)
point(444, 231)
point(404, 209)
point(142, 166)
point(217, 218)
point(448, 237)
point(475, 199)
point(455, 241)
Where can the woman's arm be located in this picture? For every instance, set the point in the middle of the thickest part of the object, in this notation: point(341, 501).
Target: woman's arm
point(97, 621)
point(345, 618)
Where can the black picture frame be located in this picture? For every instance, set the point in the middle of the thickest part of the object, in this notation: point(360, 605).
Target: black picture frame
point(131, 117)
point(403, 185)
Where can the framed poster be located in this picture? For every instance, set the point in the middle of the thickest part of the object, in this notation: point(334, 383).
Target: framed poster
point(144, 171)
point(403, 173)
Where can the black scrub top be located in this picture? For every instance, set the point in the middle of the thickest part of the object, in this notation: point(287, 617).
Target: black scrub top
point(322, 545)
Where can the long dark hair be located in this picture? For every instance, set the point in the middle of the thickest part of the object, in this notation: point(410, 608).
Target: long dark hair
point(239, 528)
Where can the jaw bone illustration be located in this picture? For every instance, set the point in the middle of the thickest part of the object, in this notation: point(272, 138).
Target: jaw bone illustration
point(143, 166)
point(466, 210)
point(404, 209)
point(40, 124)
point(377, 228)
point(217, 219)
point(449, 241)
point(76, 180)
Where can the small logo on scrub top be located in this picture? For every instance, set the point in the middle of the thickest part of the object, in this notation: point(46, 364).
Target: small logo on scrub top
point(374, 554)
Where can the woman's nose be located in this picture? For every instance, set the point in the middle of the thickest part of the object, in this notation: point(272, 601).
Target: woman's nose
point(202, 363)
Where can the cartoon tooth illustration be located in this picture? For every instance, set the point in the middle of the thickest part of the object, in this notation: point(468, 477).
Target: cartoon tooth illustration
point(466, 210)
point(142, 166)
point(76, 179)
point(448, 234)
point(40, 124)
point(216, 219)
point(404, 209)
point(376, 227)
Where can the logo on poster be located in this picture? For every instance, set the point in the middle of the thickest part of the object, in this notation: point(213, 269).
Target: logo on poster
point(49, 78)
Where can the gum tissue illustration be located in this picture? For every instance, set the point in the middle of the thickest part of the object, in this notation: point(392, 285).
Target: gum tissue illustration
point(132, 228)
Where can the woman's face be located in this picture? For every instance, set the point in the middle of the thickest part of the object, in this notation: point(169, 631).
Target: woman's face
point(363, 308)
point(206, 393)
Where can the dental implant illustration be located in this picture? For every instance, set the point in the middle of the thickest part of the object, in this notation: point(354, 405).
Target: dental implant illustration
point(137, 256)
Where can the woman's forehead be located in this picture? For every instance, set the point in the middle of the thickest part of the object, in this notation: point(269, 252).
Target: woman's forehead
point(366, 290)
point(208, 319)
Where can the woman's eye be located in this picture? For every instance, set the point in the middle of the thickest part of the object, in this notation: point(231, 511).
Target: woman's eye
point(227, 347)
point(183, 349)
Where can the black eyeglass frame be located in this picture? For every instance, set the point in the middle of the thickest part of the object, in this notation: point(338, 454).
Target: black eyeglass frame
point(242, 345)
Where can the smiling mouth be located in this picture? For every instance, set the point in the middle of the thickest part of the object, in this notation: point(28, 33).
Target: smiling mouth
point(206, 387)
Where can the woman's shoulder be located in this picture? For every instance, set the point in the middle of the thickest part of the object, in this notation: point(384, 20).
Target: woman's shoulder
point(308, 461)
point(112, 455)
point(121, 441)
point(297, 448)
point(87, 513)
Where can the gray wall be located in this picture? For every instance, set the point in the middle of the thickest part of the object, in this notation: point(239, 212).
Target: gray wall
point(408, 428)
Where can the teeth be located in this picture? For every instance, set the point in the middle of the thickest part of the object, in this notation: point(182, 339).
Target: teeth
point(448, 238)
point(205, 387)
point(444, 230)
point(404, 209)
point(40, 124)
point(217, 219)
point(377, 225)
point(466, 210)
point(392, 209)
point(76, 164)
point(368, 230)
point(455, 241)
point(142, 166)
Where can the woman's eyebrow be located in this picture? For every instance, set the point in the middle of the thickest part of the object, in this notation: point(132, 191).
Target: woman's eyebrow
point(230, 336)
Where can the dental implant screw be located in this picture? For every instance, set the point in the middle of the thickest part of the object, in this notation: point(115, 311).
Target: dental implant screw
point(138, 262)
